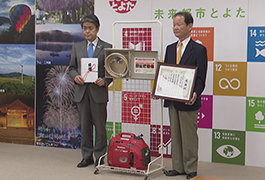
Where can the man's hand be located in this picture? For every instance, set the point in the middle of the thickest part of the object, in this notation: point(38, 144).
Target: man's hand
point(154, 98)
point(79, 80)
point(100, 82)
point(193, 99)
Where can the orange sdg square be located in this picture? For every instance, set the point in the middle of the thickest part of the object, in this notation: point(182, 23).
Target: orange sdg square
point(204, 36)
point(230, 78)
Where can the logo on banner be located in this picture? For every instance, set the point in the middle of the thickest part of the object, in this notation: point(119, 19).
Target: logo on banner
point(136, 111)
point(205, 113)
point(137, 38)
point(228, 151)
point(228, 146)
point(255, 114)
point(229, 83)
point(156, 148)
point(204, 36)
point(109, 129)
point(256, 44)
point(122, 6)
point(262, 51)
point(136, 107)
point(259, 117)
point(230, 78)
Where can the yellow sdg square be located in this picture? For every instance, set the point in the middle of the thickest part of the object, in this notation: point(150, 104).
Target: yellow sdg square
point(230, 78)
point(118, 85)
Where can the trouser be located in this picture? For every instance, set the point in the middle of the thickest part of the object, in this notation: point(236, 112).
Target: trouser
point(92, 114)
point(184, 138)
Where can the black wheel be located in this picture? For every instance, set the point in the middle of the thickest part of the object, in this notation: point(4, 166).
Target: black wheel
point(96, 171)
point(145, 177)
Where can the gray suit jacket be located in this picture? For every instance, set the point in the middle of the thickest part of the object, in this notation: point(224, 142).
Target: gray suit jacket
point(79, 50)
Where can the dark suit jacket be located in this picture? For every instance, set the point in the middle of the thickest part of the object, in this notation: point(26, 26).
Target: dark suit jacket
point(79, 50)
point(194, 55)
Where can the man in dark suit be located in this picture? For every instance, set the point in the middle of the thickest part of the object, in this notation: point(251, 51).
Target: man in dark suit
point(91, 98)
point(183, 116)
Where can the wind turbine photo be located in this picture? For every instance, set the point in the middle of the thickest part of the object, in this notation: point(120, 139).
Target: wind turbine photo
point(22, 71)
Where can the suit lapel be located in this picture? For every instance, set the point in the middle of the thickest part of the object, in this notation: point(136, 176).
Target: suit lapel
point(172, 50)
point(84, 49)
point(98, 48)
point(187, 53)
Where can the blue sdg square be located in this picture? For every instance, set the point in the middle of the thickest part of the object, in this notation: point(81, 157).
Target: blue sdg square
point(256, 44)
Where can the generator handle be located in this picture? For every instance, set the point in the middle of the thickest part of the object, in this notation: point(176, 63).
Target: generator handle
point(126, 135)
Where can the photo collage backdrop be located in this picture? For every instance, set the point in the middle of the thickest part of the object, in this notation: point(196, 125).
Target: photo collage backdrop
point(17, 71)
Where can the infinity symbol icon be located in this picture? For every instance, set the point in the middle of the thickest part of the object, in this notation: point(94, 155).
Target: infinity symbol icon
point(229, 83)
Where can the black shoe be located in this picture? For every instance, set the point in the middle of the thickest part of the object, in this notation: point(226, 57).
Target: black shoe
point(191, 175)
point(101, 161)
point(85, 162)
point(172, 173)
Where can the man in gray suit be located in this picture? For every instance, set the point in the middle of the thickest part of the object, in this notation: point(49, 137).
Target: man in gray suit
point(91, 98)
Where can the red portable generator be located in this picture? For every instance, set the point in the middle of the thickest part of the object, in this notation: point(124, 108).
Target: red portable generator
point(127, 150)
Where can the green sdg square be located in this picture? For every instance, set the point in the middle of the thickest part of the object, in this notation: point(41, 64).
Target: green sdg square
point(228, 147)
point(109, 129)
point(255, 113)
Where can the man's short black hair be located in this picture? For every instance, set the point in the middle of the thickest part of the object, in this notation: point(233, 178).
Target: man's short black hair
point(187, 17)
point(91, 18)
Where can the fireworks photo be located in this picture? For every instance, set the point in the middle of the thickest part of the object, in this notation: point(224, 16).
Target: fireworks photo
point(59, 125)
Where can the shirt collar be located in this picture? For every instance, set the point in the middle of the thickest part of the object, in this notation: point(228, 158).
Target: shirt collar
point(94, 42)
point(185, 41)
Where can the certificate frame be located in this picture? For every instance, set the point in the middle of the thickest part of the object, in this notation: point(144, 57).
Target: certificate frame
point(174, 82)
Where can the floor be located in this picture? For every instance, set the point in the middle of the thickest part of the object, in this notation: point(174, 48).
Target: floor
point(28, 162)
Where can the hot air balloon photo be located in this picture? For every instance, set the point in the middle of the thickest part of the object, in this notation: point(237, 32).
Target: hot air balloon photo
point(20, 15)
point(17, 22)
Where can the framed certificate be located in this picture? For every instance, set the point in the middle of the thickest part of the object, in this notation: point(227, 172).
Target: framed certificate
point(89, 69)
point(174, 82)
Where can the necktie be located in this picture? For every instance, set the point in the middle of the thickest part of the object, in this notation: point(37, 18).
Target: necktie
point(179, 53)
point(90, 50)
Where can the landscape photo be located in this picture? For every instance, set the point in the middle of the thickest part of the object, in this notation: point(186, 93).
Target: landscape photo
point(54, 43)
point(17, 69)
